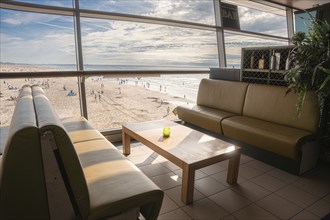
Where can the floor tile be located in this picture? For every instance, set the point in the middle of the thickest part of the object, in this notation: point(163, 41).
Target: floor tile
point(230, 200)
point(260, 165)
point(222, 178)
point(212, 169)
point(229, 217)
point(168, 205)
point(283, 175)
point(205, 209)
point(313, 186)
point(297, 196)
point(209, 186)
point(169, 165)
point(269, 182)
point(198, 174)
point(251, 191)
point(254, 212)
point(245, 159)
point(177, 214)
point(141, 160)
point(305, 215)
point(167, 180)
point(279, 206)
point(320, 208)
point(248, 172)
point(175, 195)
point(154, 170)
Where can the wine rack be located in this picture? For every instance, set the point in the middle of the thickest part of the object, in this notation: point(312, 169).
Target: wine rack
point(265, 65)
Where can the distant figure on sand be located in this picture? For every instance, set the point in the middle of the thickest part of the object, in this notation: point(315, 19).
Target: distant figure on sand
point(71, 93)
point(64, 88)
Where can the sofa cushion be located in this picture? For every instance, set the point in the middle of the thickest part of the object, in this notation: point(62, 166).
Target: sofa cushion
point(276, 138)
point(79, 130)
point(114, 184)
point(270, 103)
point(204, 117)
point(223, 95)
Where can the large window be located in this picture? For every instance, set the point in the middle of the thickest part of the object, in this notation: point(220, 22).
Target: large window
point(33, 42)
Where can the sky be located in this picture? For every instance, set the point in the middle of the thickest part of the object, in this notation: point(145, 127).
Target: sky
point(49, 39)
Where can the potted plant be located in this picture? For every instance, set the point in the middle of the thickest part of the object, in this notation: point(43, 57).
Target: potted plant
point(310, 70)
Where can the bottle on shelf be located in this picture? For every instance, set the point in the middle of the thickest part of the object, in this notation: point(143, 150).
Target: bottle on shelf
point(273, 61)
point(287, 61)
point(252, 60)
point(261, 63)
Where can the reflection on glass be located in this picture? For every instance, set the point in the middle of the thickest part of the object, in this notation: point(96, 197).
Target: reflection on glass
point(187, 10)
point(235, 43)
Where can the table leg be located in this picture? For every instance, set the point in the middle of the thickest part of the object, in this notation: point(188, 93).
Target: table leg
point(188, 181)
point(233, 168)
point(126, 139)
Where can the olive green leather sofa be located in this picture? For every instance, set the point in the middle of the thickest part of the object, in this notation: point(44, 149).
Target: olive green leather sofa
point(66, 169)
point(259, 118)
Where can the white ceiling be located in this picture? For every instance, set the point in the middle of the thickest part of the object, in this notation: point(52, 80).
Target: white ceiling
point(300, 4)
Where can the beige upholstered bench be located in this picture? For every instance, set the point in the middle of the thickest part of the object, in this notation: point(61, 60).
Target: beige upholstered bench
point(261, 119)
point(85, 176)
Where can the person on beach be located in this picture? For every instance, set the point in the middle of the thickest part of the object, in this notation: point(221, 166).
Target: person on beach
point(95, 97)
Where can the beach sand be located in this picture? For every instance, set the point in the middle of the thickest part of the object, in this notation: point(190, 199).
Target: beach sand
point(110, 103)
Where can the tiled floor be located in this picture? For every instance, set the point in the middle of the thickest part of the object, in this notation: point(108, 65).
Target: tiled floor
point(262, 192)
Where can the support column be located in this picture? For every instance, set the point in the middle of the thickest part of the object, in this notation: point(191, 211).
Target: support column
point(79, 58)
point(289, 23)
point(220, 35)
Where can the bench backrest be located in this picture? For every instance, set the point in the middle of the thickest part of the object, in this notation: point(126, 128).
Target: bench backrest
point(271, 103)
point(22, 183)
point(49, 121)
point(224, 95)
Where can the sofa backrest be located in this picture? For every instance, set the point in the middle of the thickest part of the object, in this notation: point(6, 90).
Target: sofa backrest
point(271, 103)
point(49, 121)
point(22, 182)
point(224, 95)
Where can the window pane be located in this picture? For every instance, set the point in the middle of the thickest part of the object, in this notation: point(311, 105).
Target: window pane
point(185, 10)
point(113, 102)
point(35, 38)
point(235, 43)
point(64, 105)
point(126, 45)
point(260, 18)
point(61, 3)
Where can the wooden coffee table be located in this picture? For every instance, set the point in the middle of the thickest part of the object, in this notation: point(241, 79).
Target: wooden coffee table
point(187, 148)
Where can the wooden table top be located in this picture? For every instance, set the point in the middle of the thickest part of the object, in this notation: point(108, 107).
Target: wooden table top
point(184, 145)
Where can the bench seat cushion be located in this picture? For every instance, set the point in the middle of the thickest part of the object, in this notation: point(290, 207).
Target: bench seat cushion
point(79, 130)
point(115, 185)
point(276, 138)
point(204, 117)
